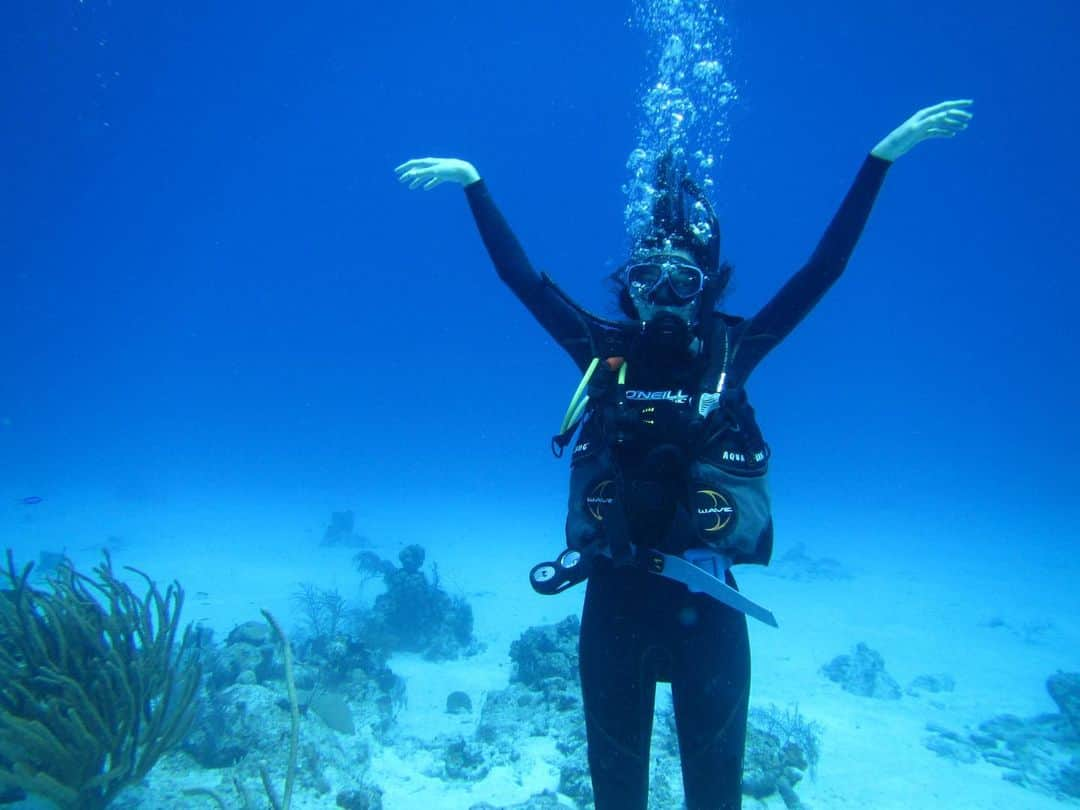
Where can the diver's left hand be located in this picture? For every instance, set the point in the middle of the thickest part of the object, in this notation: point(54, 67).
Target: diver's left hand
point(426, 173)
point(942, 120)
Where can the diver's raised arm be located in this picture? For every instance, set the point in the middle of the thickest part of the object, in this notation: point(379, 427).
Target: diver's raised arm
point(426, 173)
point(509, 257)
point(554, 312)
point(803, 290)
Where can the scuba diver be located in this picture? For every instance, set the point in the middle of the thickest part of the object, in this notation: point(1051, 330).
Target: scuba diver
point(668, 481)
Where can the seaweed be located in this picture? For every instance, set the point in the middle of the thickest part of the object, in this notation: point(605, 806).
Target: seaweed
point(323, 610)
point(94, 684)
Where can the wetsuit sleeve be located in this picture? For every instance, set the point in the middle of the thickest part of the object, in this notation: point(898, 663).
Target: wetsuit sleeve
point(802, 292)
point(565, 324)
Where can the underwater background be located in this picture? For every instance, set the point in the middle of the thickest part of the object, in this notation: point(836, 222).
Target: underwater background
point(222, 319)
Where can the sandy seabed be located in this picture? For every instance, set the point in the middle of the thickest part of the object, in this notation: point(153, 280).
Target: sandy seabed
point(999, 641)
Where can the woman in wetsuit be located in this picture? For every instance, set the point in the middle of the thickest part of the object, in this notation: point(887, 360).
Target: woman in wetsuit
point(670, 454)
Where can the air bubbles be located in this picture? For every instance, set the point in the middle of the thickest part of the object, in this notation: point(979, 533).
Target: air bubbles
point(708, 71)
point(684, 107)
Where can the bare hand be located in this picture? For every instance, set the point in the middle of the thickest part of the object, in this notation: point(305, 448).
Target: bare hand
point(943, 120)
point(426, 173)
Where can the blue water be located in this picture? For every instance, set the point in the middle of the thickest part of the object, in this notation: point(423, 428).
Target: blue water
point(213, 286)
point(216, 299)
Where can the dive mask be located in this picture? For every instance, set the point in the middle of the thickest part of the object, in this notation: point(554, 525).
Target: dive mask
point(645, 278)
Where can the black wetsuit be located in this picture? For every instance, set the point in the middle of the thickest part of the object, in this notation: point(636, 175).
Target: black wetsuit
point(638, 629)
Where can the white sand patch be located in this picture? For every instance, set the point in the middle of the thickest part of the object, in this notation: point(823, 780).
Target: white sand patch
point(999, 629)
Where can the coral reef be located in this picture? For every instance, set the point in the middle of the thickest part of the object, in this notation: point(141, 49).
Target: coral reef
point(863, 673)
point(94, 684)
point(546, 652)
point(458, 703)
point(339, 687)
point(1041, 753)
point(341, 531)
point(1064, 689)
point(415, 614)
point(342, 688)
point(933, 684)
point(319, 734)
point(366, 798)
point(543, 699)
point(333, 644)
point(781, 746)
point(309, 723)
point(464, 759)
point(323, 610)
point(1036, 632)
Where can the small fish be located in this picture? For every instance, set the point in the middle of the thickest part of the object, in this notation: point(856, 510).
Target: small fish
point(30, 500)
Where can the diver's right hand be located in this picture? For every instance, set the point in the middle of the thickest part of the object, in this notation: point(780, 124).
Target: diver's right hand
point(426, 173)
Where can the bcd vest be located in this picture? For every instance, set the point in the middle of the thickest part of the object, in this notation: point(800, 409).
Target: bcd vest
point(687, 467)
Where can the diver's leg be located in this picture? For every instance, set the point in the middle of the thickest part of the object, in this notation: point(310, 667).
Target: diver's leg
point(710, 690)
point(617, 689)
